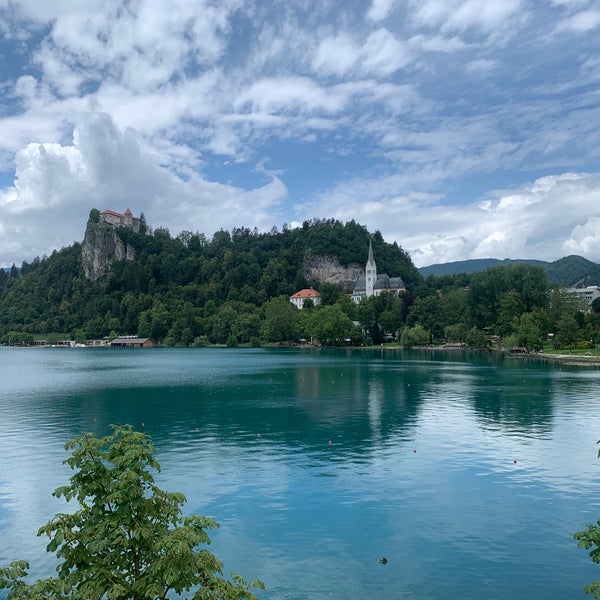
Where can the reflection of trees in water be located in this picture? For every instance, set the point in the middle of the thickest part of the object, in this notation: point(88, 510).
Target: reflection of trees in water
point(355, 399)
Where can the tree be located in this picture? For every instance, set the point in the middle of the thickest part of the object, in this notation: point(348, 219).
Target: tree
point(590, 538)
point(281, 320)
point(414, 336)
point(128, 540)
point(94, 216)
point(330, 325)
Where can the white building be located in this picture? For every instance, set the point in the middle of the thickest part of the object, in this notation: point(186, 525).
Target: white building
point(589, 293)
point(307, 294)
point(372, 284)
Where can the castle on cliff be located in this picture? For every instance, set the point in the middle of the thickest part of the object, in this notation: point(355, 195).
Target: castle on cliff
point(121, 220)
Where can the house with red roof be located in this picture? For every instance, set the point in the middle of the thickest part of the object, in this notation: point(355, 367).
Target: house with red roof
point(307, 294)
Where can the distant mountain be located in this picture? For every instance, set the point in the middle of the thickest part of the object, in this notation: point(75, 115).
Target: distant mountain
point(473, 266)
point(570, 271)
point(574, 271)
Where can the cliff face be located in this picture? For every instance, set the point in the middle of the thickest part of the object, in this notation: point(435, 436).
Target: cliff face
point(327, 269)
point(102, 245)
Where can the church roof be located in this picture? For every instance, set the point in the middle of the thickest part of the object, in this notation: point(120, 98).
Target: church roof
point(383, 282)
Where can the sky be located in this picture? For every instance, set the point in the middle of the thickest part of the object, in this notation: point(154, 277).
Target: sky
point(458, 128)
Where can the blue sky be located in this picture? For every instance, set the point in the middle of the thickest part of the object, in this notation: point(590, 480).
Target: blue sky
point(458, 128)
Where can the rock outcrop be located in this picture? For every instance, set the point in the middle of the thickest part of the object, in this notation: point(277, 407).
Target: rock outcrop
point(101, 246)
point(327, 269)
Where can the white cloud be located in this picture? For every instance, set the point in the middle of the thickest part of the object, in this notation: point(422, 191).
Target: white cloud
point(585, 238)
point(481, 66)
point(520, 223)
point(57, 185)
point(381, 54)
point(585, 20)
point(462, 15)
point(336, 55)
point(288, 95)
point(380, 9)
point(392, 107)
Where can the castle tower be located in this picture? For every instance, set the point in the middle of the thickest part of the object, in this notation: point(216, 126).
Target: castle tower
point(370, 273)
point(128, 219)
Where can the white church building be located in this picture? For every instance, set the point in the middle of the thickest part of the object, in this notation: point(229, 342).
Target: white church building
point(373, 284)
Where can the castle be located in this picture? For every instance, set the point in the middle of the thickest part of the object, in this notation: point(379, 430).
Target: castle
point(118, 220)
point(371, 284)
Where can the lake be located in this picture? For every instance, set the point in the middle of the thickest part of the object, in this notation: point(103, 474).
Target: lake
point(470, 474)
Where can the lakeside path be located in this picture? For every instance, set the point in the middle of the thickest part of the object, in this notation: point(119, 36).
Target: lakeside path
point(563, 359)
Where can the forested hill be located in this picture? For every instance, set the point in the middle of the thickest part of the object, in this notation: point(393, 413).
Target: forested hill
point(179, 283)
point(571, 270)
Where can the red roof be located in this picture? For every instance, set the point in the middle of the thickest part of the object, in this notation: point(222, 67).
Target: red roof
point(113, 213)
point(306, 293)
point(127, 212)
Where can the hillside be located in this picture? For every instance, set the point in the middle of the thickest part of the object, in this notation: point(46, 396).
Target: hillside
point(574, 271)
point(569, 271)
point(186, 286)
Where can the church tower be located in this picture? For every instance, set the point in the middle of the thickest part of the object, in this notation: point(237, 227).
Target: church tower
point(370, 273)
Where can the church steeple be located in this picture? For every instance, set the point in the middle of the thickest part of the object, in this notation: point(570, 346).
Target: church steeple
point(370, 272)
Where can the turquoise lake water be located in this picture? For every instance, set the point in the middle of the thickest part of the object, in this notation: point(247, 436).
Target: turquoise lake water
point(470, 474)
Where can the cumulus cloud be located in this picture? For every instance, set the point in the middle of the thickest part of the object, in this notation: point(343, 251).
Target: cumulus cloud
point(104, 167)
point(520, 223)
point(403, 116)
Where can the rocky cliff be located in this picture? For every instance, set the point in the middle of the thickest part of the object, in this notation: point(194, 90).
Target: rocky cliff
point(101, 246)
point(327, 269)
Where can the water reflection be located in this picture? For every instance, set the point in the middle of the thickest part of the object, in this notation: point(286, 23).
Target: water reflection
point(469, 474)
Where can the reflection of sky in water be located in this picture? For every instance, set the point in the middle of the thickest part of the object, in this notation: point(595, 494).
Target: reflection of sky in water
point(321, 462)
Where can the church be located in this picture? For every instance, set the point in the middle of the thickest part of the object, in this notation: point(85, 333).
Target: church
point(372, 284)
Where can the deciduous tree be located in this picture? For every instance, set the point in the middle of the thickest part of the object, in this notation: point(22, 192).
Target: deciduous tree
point(128, 539)
point(589, 538)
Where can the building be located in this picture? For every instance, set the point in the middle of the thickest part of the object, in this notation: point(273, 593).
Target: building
point(307, 294)
point(132, 342)
point(118, 220)
point(589, 293)
point(373, 284)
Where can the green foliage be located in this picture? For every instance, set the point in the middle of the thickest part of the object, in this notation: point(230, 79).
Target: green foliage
point(414, 336)
point(589, 538)
point(128, 539)
point(568, 271)
point(496, 295)
point(331, 326)
point(574, 270)
point(281, 322)
point(476, 338)
point(94, 216)
point(233, 288)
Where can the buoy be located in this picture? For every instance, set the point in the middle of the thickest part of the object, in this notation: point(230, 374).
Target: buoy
point(196, 428)
point(329, 442)
point(383, 560)
point(258, 435)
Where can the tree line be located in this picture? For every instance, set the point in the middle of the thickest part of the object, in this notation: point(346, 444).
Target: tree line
point(234, 289)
